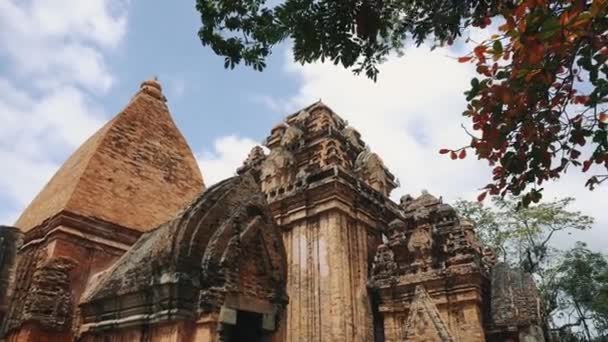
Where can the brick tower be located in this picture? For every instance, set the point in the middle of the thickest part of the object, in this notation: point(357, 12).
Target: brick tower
point(133, 174)
point(329, 194)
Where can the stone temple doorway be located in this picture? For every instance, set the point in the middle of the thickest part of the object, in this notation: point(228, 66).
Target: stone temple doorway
point(238, 325)
point(248, 327)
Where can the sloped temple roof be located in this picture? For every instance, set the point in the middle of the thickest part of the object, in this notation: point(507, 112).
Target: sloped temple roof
point(196, 254)
point(137, 171)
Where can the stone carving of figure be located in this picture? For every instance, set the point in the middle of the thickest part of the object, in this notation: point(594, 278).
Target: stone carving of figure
point(278, 130)
point(532, 334)
point(396, 230)
point(275, 168)
point(291, 136)
point(384, 265)
point(469, 235)
point(405, 201)
point(371, 168)
point(362, 158)
point(420, 244)
point(352, 136)
point(302, 116)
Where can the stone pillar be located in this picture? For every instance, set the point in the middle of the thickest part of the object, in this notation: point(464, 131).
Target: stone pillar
point(327, 273)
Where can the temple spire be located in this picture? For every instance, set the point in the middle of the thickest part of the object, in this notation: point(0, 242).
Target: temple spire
point(136, 171)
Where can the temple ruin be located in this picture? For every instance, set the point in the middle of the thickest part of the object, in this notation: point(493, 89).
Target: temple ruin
point(302, 244)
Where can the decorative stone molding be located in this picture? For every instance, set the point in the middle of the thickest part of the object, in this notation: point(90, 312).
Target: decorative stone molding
point(222, 253)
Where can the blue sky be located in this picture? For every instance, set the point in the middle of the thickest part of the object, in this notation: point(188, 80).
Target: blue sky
point(68, 66)
point(204, 97)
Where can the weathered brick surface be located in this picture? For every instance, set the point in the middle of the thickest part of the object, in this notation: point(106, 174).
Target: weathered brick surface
point(50, 301)
point(327, 262)
point(223, 252)
point(169, 332)
point(304, 221)
point(329, 194)
point(136, 171)
point(10, 240)
point(515, 298)
point(430, 275)
point(133, 174)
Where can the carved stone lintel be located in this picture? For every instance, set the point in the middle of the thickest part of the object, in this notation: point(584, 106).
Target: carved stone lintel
point(227, 315)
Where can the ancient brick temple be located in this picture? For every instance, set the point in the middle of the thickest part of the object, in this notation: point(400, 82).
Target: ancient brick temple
point(304, 244)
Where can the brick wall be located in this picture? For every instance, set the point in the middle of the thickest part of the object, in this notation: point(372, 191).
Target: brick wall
point(10, 241)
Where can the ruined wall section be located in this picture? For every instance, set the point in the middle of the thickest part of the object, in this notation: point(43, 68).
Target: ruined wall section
point(10, 241)
point(50, 301)
point(515, 298)
point(50, 277)
point(431, 275)
point(221, 256)
point(515, 305)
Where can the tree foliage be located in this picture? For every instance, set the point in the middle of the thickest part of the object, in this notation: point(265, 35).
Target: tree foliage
point(573, 284)
point(580, 291)
point(523, 236)
point(542, 95)
point(353, 33)
point(537, 108)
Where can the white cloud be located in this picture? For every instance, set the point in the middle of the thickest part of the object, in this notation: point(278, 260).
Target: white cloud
point(62, 117)
point(410, 113)
point(101, 22)
point(34, 128)
point(53, 42)
point(227, 155)
point(407, 116)
point(27, 176)
point(280, 106)
point(55, 52)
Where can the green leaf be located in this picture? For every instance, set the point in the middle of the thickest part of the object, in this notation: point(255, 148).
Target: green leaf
point(549, 27)
point(497, 46)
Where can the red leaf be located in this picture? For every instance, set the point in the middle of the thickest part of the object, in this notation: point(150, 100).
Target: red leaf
point(464, 59)
point(574, 154)
point(453, 155)
point(482, 196)
point(462, 154)
point(581, 99)
point(604, 118)
point(479, 51)
point(586, 165)
point(444, 151)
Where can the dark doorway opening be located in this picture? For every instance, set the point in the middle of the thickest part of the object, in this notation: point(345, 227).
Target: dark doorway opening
point(248, 327)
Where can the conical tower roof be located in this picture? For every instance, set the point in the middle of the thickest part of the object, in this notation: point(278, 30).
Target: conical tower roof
point(137, 171)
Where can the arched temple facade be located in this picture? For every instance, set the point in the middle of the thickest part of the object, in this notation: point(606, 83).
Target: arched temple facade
point(125, 243)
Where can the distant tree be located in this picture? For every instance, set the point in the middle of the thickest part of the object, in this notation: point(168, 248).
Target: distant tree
point(523, 236)
point(541, 96)
point(573, 284)
point(580, 286)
